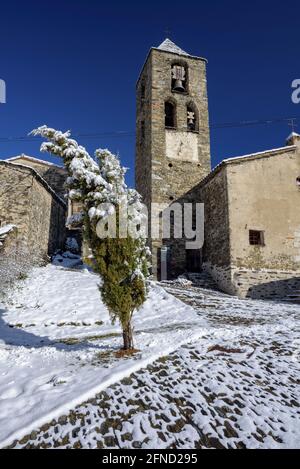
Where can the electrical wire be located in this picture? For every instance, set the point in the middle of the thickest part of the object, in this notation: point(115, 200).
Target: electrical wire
point(127, 133)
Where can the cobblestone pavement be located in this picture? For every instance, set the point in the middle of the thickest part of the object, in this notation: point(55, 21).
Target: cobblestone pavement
point(237, 388)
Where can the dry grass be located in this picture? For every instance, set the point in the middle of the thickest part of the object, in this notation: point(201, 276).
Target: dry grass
point(126, 353)
point(219, 348)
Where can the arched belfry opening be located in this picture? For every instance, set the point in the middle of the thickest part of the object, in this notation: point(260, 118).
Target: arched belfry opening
point(179, 77)
point(170, 114)
point(192, 117)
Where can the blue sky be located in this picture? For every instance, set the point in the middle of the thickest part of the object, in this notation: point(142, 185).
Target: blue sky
point(74, 64)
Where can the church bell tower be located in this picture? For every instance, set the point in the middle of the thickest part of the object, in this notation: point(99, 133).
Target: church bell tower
point(172, 132)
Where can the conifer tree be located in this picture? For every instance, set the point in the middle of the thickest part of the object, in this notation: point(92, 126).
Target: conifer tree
point(121, 262)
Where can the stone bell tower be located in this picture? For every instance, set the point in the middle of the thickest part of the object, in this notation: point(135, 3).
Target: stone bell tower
point(172, 131)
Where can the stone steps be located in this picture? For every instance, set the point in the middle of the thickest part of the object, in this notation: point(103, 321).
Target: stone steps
point(202, 280)
point(292, 296)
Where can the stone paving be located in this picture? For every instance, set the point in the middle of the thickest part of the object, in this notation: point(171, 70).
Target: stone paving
point(237, 388)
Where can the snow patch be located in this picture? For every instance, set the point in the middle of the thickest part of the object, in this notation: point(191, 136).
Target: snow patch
point(60, 350)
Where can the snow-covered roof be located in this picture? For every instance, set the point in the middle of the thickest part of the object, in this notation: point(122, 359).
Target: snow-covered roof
point(293, 134)
point(37, 176)
point(4, 230)
point(249, 157)
point(169, 46)
point(259, 154)
point(34, 160)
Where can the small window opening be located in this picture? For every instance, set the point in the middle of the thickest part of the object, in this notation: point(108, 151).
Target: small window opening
point(143, 130)
point(171, 198)
point(191, 119)
point(170, 115)
point(170, 165)
point(178, 78)
point(298, 181)
point(143, 90)
point(256, 238)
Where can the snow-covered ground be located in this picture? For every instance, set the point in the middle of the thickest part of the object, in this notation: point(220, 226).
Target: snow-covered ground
point(4, 230)
point(232, 379)
point(57, 344)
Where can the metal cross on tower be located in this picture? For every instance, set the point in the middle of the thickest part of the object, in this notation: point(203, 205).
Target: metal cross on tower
point(292, 123)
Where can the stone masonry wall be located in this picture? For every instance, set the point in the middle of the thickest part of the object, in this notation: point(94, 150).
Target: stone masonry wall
point(54, 175)
point(222, 275)
point(160, 178)
point(15, 188)
point(47, 220)
point(264, 283)
point(264, 196)
point(143, 160)
point(213, 193)
point(256, 284)
point(39, 215)
point(261, 193)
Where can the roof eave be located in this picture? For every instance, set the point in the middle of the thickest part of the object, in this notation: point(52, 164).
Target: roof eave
point(245, 158)
point(189, 56)
point(13, 159)
point(37, 176)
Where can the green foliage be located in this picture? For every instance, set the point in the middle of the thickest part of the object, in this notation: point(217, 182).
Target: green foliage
point(122, 263)
point(122, 290)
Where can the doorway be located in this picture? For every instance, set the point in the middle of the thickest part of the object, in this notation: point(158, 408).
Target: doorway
point(193, 260)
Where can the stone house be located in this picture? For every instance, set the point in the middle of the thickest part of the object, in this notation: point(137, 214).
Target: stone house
point(31, 202)
point(53, 174)
point(251, 203)
point(252, 223)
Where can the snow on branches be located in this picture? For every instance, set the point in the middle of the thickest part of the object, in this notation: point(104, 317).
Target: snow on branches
point(98, 184)
point(93, 183)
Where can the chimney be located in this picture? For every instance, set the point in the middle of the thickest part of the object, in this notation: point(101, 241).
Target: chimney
point(293, 139)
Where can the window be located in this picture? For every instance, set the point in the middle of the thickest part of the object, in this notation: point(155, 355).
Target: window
point(143, 130)
point(179, 78)
point(192, 118)
point(170, 115)
point(256, 238)
point(143, 90)
point(298, 181)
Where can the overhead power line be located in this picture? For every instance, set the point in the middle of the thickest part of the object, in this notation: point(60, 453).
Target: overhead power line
point(291, 121)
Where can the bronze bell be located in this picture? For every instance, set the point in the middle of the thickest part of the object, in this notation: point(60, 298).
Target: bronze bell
point(178, 86)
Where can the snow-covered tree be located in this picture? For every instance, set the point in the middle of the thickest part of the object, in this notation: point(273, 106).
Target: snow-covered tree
point(100, 186)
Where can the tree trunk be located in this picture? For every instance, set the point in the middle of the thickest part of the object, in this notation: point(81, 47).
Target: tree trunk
point(128, 336)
